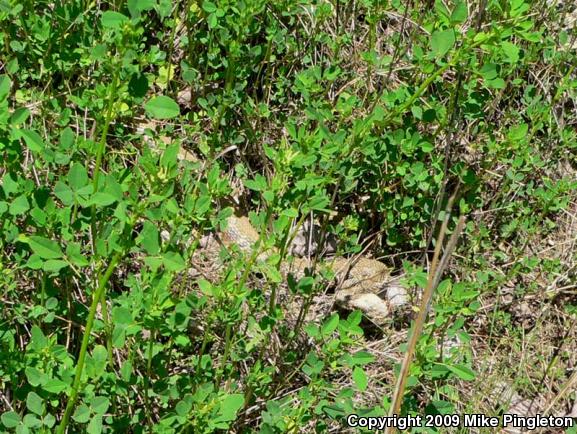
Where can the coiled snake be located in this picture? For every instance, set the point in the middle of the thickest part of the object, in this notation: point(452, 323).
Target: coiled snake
point(361, 283)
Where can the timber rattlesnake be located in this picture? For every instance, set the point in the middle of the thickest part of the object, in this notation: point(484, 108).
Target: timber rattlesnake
point(360, 283)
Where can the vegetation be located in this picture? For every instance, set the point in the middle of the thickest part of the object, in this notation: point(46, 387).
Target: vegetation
point(127, 127)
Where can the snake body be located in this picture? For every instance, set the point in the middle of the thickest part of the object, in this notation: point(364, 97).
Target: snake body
point(360, 283)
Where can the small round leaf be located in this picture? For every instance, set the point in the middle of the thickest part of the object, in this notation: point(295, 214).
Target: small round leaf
point(162, 107)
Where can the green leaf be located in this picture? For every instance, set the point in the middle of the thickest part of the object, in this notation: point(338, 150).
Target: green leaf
point(312, 330)
point(170, 155)
point(39, 216)
point(518, 7)
point(75, 256)
point(362, 358)
point(35, 377)
point(126, 370)
point(19, 116)
point(183, 407)
point(77, 176)
point(164, 8)
point(230, 406)
point(119, 336)
point(63, 192)
point(67, 138)
point(212, 21)
point(10, 185)
point(162, 107)
point(259, 183)
point(121, 315)
point(440, 407)
point(100, 404)
point(355, 318)
point(51, 303)
point(113, 187)
point(441, 10)
point(113, 20)
point(497, 83)
point(33, 140)
point(268, 196)
point(518, 132)
point(462, 371)
point(22, 429)
point(99, 358)
point(442, 42)
point(45, 248)
point(489, 71)
point(54, 265)
point(17, 46)
point(95, 425)
point(271, 273)
point(38, 340)
point(173, 261)
point(460, 13)
point(426, 147)
point(511, 51)
point(333, 411)
point(318, 203)
point(202, 204)
point(149, 238)
point(54, 385)
point(209, 6)
point(206, 287)
point(49, 420)
point(137, 6)
point(291, 213)
point(32, 421)
point(34, 403)
point(19, 206)
point(330, 324)
point(360, 378)
point(81, 414)
point(5, 84)
point(102, 198)
point(10, 419)
point(34, 262)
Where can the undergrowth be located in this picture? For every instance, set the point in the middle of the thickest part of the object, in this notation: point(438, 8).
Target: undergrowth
point(128, 128)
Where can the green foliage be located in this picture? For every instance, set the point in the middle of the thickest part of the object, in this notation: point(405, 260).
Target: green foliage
point(102, 327)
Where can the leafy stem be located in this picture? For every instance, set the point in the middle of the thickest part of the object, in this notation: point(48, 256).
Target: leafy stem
point(101, 148)
point(97, 296)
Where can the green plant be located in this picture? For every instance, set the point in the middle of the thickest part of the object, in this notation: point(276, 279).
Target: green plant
point(364, 115)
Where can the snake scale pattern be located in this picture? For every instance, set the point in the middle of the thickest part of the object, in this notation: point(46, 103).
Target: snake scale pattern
point(361, 283)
